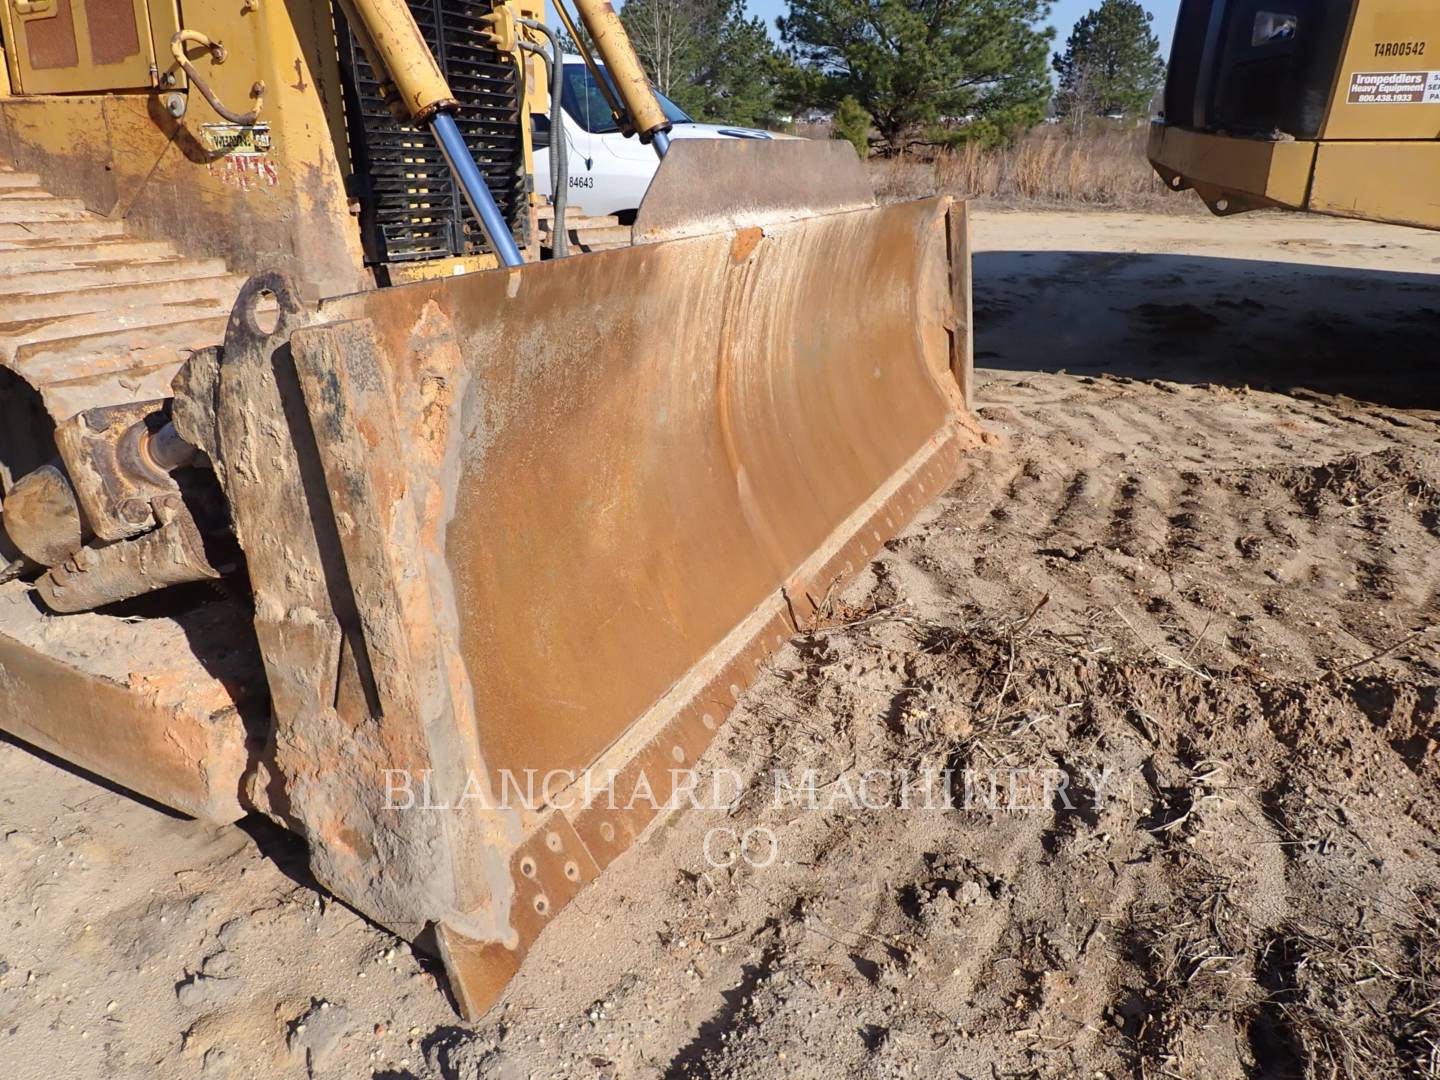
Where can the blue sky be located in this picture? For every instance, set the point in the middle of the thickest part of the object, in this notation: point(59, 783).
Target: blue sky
point(1062, 16)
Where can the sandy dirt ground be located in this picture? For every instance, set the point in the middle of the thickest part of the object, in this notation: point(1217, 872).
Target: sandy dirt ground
point(1197, 578)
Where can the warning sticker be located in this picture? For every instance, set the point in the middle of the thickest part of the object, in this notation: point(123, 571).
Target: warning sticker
point(1395, 88)
point(236, 140)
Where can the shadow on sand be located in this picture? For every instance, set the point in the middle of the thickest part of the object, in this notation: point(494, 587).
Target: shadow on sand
point(1372, 335)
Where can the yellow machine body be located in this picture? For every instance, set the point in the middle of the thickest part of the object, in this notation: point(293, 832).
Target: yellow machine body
point(272, 195)
point(1366, 141)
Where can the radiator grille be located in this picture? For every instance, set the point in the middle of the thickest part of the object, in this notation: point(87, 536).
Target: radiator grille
point(410, 208)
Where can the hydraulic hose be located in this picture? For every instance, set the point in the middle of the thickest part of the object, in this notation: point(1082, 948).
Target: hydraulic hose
point(217, 53)
point(559, 148)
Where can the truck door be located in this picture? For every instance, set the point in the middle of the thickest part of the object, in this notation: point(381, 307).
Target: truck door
point(577, 139)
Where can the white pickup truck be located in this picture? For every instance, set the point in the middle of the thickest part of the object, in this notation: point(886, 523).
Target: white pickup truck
point(608, 172)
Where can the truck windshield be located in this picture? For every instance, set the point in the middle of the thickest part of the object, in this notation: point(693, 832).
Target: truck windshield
point(585, 103)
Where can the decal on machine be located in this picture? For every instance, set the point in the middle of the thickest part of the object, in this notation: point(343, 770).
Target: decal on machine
point(1394, 88)
point(245, 140)
point(242, 154)
point(1400, 48)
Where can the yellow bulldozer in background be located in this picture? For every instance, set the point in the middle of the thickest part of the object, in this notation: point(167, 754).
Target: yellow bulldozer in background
point(325, 498)
point(1305, 105)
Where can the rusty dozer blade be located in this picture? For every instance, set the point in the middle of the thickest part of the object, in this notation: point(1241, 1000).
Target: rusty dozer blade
point(518, 539)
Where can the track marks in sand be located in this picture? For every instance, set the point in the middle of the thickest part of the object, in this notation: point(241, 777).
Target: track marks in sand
point(1213, 513)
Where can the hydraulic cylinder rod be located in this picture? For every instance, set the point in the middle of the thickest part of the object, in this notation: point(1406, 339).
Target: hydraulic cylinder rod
point(623, 67)
point(473, 187)
point(418, 91)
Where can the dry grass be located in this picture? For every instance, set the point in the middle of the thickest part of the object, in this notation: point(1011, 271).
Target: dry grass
point(1325, 1001)
point(1051, 166)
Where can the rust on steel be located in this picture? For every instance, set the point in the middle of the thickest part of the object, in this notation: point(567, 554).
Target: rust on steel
point(666, 464)
point(174, 709)
point(92, 577)
point(108, 458)
point(619, 509)
point(40, 516)
point(548, 519)
point(711, 185)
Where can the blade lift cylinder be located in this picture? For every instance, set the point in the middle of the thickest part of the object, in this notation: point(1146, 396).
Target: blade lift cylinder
point(417, 91)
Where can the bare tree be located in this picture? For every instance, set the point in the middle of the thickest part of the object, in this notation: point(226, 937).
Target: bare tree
point(1079, 100)
point(668, 36)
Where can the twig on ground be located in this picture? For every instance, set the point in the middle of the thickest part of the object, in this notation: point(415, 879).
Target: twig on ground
point(1015, 628)
point(1173, 661)
point(1383, 652)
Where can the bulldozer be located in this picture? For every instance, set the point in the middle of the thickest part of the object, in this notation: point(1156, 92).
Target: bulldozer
point(328, 495)
point(1311, 105)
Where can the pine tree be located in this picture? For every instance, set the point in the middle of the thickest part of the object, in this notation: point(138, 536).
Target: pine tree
point(852, 123)
point(913, 63)
point(1111, 63)
point(708, 56)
